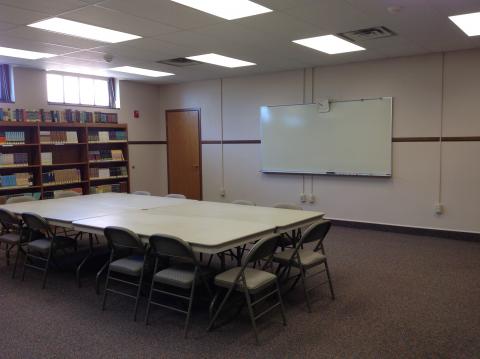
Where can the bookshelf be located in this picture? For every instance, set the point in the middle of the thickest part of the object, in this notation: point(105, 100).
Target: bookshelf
point(41, 157)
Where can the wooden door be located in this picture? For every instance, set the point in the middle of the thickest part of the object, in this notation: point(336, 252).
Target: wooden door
point(184, 153)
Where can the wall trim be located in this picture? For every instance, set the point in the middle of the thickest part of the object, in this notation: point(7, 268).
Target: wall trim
point(231, 142)
point(431, 232)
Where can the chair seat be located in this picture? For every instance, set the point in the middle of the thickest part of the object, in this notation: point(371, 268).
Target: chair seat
point(10, 238)
point(177, 276)
point(308, 257)
point(131, 265)
point(40, 245)
point(256, 279)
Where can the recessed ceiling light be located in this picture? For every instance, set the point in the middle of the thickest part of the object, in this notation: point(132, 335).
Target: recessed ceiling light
point(329, 44)
point(469, 23)
point(220, 60)
point(74, 28)
point(140, 71)
point(228, 9)
point(79, 70)
point(23, 54)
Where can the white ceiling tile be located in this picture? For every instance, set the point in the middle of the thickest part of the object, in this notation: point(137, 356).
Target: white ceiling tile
point(8, 41)
point(19, 16)
point(164, 11)
point(6, 26)
point(45, 6)
point(116, 20)
point(53, 38)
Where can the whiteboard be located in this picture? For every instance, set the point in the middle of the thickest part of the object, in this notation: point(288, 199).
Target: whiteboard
point(351, 138)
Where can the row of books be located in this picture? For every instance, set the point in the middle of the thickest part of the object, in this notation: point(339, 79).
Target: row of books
point(107, 136)
point(69, 175)
point(114, 187)
point(13, 159)
point(58, 137)
point(109, 172)
point(71, 116)
point(12, 137)
point(22, 179)
point(57, 193)
point(105, 155)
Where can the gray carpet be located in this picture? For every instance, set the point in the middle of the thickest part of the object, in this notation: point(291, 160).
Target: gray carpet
point(397, 296)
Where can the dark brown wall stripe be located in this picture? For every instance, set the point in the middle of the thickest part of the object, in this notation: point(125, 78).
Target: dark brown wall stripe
point(395, 139)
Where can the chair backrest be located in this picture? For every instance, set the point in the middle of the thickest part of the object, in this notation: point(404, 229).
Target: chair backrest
point(263, 249)
point(142, 193)
point(175, 195)
point(65, 194)
point(169, 246)
point(316, 232)
point(123, 238)
point(8, 220)
point(20, 199)
point(244, 202)
point(287, 206)
point(34, 222)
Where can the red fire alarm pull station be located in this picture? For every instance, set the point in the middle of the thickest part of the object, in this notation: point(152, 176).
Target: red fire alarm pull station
point(136, 114)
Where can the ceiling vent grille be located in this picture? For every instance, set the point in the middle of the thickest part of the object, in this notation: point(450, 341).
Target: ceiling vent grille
point(370, 33)
point(179, 62)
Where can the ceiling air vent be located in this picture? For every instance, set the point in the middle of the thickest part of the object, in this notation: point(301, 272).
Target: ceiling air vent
point(370, 33)
point(179, 62)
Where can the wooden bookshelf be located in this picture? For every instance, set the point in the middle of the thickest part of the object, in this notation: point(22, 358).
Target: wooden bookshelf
point(65, 155)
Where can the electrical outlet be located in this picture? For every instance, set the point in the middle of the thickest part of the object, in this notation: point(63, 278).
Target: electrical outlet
point(311, 198)
point(222, 192)
point(303, 197)
point(439, 208)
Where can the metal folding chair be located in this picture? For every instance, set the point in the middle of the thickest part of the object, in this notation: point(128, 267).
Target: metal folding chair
point(127, 259)
point(252, 282)
point(12, 235)
point(304, 259)
point(42, 249)
point(185, 275)
point(289, 239)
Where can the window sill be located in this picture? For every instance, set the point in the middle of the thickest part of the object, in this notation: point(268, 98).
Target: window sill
point(78, 105)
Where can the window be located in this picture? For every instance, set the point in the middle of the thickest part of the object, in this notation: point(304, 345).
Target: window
point(6, 84)
point(74, 90)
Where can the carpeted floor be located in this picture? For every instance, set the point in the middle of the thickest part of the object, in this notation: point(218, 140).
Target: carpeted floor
point(397, 296)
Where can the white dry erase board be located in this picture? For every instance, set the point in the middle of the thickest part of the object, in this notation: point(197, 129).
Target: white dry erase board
point(352, 138)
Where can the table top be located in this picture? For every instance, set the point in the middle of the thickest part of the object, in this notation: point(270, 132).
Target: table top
point(281, 218)
point(205, 234)
point(64, 211)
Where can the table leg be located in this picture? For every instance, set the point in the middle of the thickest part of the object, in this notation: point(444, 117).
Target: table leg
point(82, 263)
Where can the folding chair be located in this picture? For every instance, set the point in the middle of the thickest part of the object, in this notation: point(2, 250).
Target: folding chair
point(12, 235)
point(184, 276)
point(289, 240)
point(131, 265)
point(251, 282)
point(304, 259)
point(43, 249)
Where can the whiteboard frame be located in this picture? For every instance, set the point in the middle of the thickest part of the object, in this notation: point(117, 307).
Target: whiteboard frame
point(329, 173)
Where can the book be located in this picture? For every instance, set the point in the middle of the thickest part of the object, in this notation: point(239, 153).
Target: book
point(46, 158)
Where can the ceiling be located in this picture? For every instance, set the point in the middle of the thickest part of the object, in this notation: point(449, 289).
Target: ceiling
point(171, 30)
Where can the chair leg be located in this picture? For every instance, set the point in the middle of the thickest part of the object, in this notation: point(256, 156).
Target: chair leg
point(97, 277)
point(25, 264)
point(251, 314)
point(304, 283)
point(280, 300)
point(217, 313)
point(147, 314)
point(137, 299)
point(329, 280)
point(104, 300)
point(7, 254)
point(19, 249)
point(189, 312)
point(47, 266)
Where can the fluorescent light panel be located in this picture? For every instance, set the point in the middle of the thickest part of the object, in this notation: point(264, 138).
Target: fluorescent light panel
point(140, 71)
point(220, 60)
point(329, 44)
point(78, 29)
point(468, 23)
point(23, 54)
point(227, 9)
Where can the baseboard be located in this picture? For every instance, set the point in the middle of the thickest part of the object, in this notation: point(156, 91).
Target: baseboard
point(459, 235)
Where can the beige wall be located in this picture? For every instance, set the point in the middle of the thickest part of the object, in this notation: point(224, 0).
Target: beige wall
point(146, 161)
point(409, 197)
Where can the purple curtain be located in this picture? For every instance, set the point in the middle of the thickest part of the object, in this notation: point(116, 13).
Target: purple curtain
point(5, 84)
point(112, 94)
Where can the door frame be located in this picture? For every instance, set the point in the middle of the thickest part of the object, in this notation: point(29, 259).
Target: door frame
point(199, 113)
